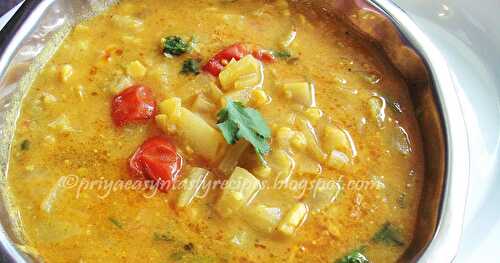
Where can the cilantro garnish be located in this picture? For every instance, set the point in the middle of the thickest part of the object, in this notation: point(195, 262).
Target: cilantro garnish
point(389, 235)
point(282, 54)
point(115, 222)
point(175, 46)
point(191, 66)
point(239, 122)
point(162, 237)
point(25, 145)
point(355, 256)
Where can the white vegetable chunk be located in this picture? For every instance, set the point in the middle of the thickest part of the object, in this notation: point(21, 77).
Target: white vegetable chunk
point(48, 99)
point(202, 105)
point(192, 129)
point(62, 124)
point(127, 22)
point(240, 239)
point(191, 186)
point(120, 84)
point(245, 73)
point(284, 136)
point(300, 92)
point(335, 138)
point(66, 72)
point(290, 37)
point(376, 106)
point(338, 160)
point(52, 230)
point(293, 219)
point(323, 194)
point(242, 95)
point(232, 156)
point(263, 218)
point(306, 165)
point(239, 191)
point(136, 69)
point(262, 172)
point(312, 140)
point(401, 140)
point(282, 164)
point(201, 84)
point(53, 194)
point(259, 98)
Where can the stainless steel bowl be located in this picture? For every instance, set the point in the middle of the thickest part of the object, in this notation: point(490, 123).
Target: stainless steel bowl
point(39, 26)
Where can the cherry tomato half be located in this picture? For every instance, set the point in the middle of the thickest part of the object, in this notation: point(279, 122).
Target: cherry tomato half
point(135, 104)
point(157, 159)
point(263, 55)
point(215, 65)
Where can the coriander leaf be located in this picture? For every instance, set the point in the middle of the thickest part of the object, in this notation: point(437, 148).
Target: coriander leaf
point(162, 237)
point(389, 235)
point(25, 145)
point(286, 56)
point(259, 123)
point(251, 118)
point(223, 114)
point(175, 46)
point(239, 122)
point(115, 222)
point(355, 256)
point(191, 66)
point(229, 129)
point(282, 54)
point(259, 143)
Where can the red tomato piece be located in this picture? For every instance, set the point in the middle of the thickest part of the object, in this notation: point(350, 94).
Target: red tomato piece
point(263, 55)
point(135, 104)
point(215, 65)
point(157, 159)
point(236, 51)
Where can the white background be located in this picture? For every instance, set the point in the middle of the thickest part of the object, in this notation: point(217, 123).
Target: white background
point(468, 35)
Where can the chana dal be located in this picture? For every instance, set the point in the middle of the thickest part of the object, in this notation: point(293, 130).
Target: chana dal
point(216, 131)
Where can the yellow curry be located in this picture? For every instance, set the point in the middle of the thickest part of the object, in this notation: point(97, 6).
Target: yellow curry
point(216, 131)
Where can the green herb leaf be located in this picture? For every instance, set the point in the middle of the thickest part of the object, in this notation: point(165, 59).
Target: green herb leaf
point(239, 122)
point(389, 235)
point(355, 256)
point(25, 145)
point(175, 46)
point(162, 237)
point(285, 55)
point(191, 66)
point(115, 222)
point(282, 54)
